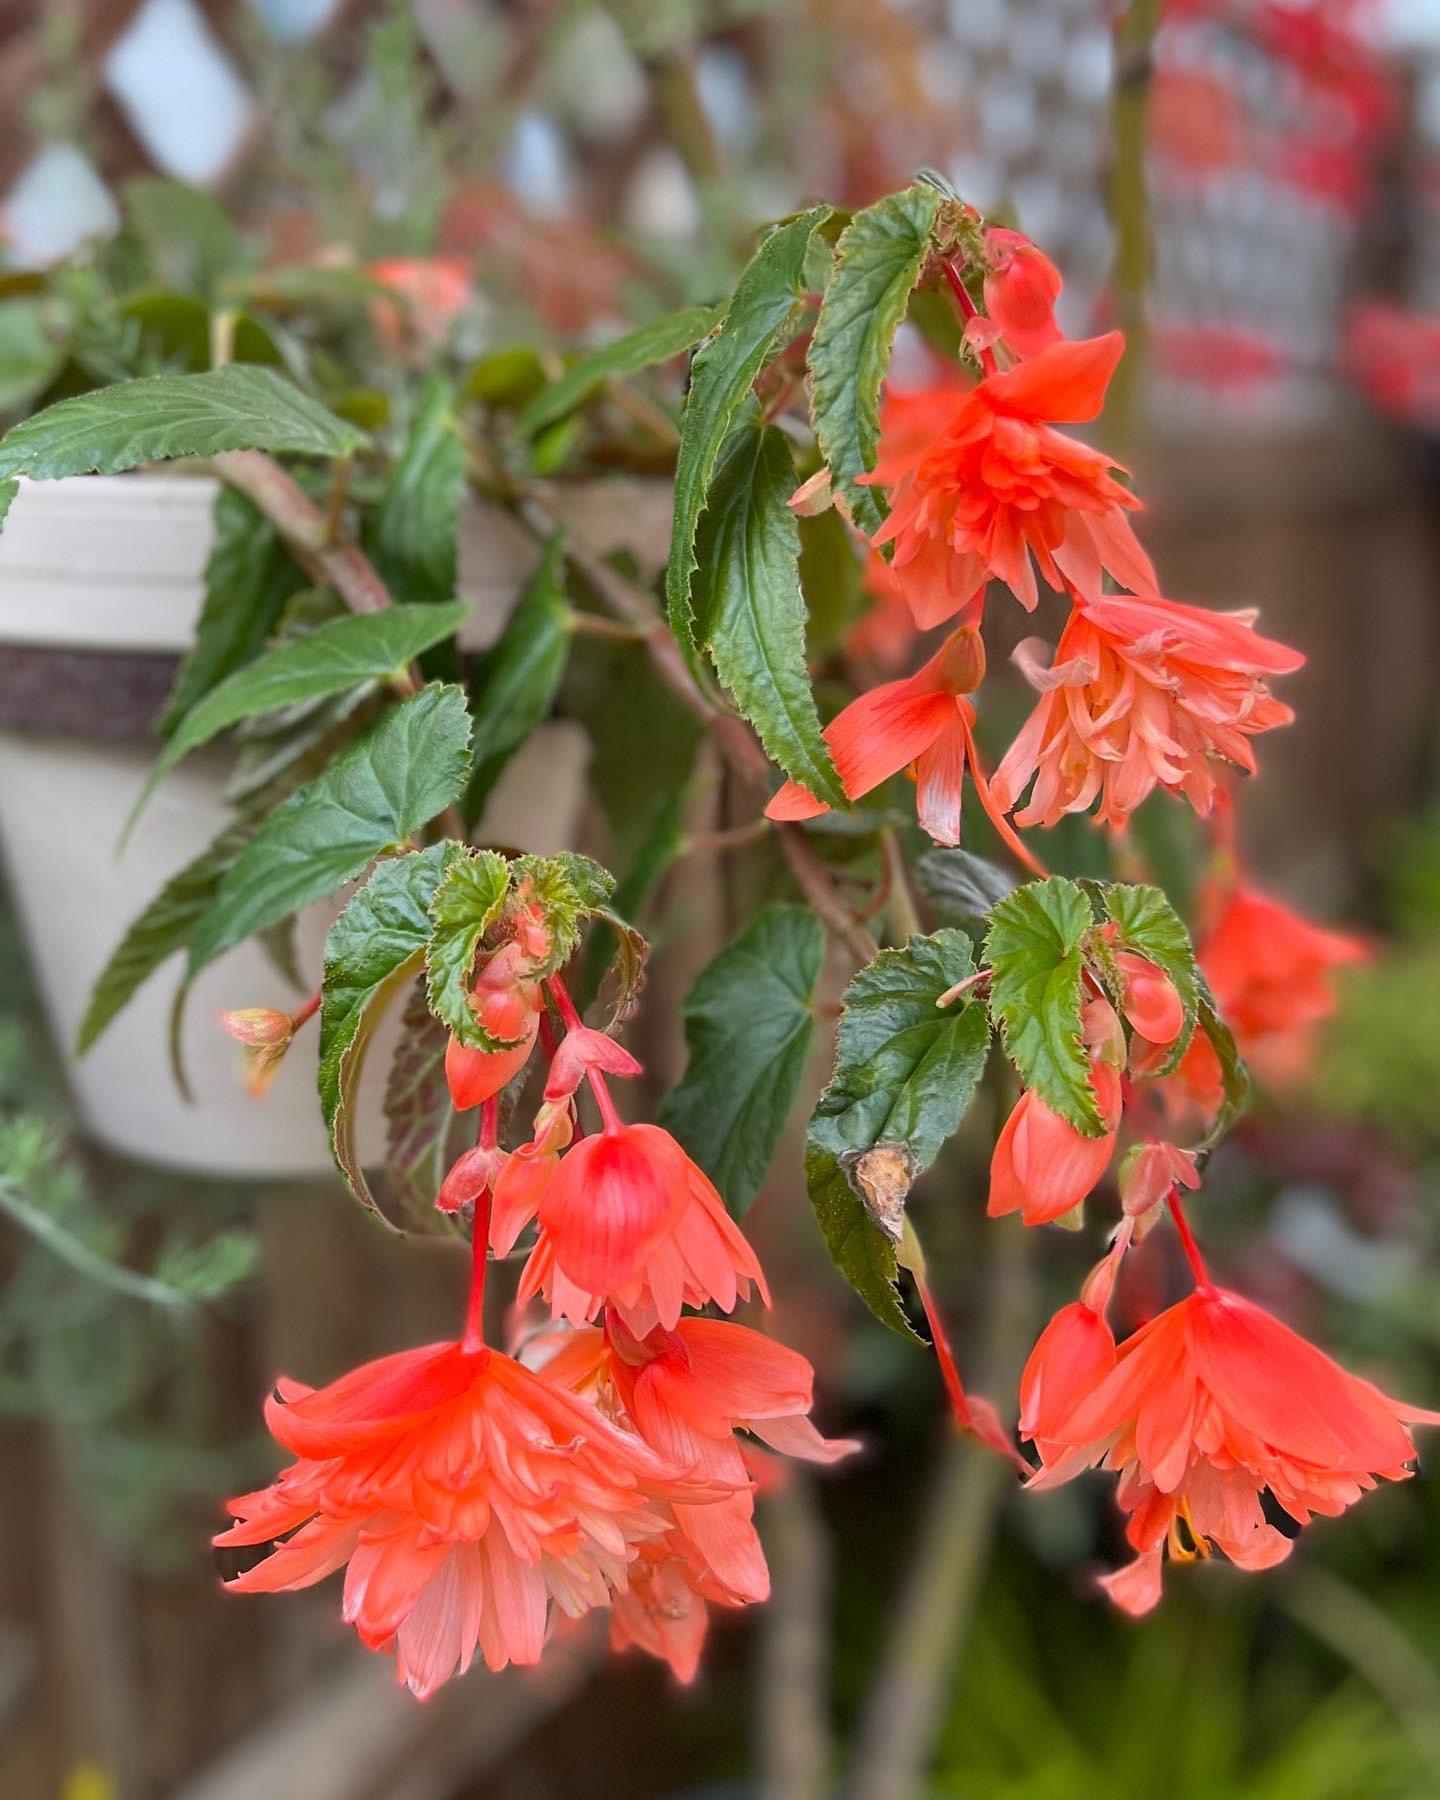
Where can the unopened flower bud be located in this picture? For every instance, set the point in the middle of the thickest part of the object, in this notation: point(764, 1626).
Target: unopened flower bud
point(266, 1035)
point(1151, 1000)
point(582, 1050)
point(1021, 288)
point(962, 660)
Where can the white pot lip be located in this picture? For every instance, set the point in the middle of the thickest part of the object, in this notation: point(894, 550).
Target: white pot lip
point(115, 563)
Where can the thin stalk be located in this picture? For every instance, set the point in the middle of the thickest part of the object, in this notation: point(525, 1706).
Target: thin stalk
point(968, 310)
point(473, 1338)
point(1187, 1240)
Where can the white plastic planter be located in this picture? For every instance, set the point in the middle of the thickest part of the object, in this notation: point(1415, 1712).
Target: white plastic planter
point(115, 565)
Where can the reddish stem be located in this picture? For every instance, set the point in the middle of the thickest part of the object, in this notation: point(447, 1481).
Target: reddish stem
point(572, 1021)
point(1008, 834)
point(968, 311)
point(1187, 1240)
point(473, 1338)
point(949, 1374)
point(306, 1010)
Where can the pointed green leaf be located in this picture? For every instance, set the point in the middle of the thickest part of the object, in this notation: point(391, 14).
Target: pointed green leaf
point(191, 243)
point(1150, 926)
point(345, 653)
point(568, 889)
point(378, 791)
point(515, 685)
point(30, 358)
point(656, 342)
point(238, 407)
point(373, 949)
point(904, 1073)
point(165, 926)
point(466, 903)
point(749, 609)
point(1034, 953)
point(878, 260)
point(749, 1021)
point(720, 379)
point(415, 536)
point(248, 580)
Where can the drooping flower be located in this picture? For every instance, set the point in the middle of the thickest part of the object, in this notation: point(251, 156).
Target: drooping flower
point(1272, 972)
point(1042, 1167)
point(1210, 1405)
point(923, 721)
point(627, 1216)
point(1021, 288)
point(662, 1612)
point(465, 1494)
point(1143, 692)
point(995, 485)
point(1149, 1171)
point(430, 294)
point(506, 1000)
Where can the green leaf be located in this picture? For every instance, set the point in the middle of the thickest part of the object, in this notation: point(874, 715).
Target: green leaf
point(1233, 1072)
point(829, 580)
point(8, 491)
point(720, 379)
point(418, 1113)
point(165, 926)
point(375, 946)
point(878, 260)
point(1151, 926)
point(377, 791)
point(960, 885)
point(514, 687)
point(346, 653)
point(415, 535)
point(29, 358)
point(749, 1021)
point(464, 906)
point(1034, 953)
point(904, 1073)
point(248, 580)
point(239, 407)
point(190, 241)
point(653, 343)
point(748, 604)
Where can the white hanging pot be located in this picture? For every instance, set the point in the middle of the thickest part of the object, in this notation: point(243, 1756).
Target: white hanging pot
point(101, 583)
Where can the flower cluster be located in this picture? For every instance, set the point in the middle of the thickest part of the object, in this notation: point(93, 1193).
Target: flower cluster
point(1142, 692)
point(472, 1496)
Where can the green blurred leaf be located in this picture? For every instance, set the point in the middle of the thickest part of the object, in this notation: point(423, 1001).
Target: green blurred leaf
point(1150, 925)
point(345, 653)
point(749, 1021)
point(1034, 952)
point(166, 925)
point(466, 903)
point(414, 540)
point(720, 380)
point(961, 886)
point(378, 791)
point(239, 407)
point(29, 358)
point(904, 1073)
point(829, 580)
point(878, 260)
point(653, 343)
point(514, 687)
point(749, 610)
point(248, 580)
point(506, 377)
point(1233, 1072)
point(375, 946)
point(189, 239)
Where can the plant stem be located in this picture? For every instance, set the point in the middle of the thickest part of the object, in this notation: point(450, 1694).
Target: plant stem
point(968, 310)
point(474, 1334)
point(900, 902)
point(795, 1746)
point(942, 1585)
point(1187, 1240)
point(734, 738)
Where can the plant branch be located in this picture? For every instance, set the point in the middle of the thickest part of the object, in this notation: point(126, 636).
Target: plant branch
point(737, 743)
point(795, 1746)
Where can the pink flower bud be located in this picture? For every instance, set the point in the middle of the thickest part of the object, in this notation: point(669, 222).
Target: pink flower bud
point(1151, 1001)
point(582, 1050)
point(1149, 1171)
point(1021, 288)
point(470, 1175)
point(258, 1027)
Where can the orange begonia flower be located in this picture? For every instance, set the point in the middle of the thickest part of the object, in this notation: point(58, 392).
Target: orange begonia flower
point(465, 1494)
point(1272, 975)
point(1202, 1411)
point(1142, 693)
point(923, 721)
point(993, 484)
point(1021, 288)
